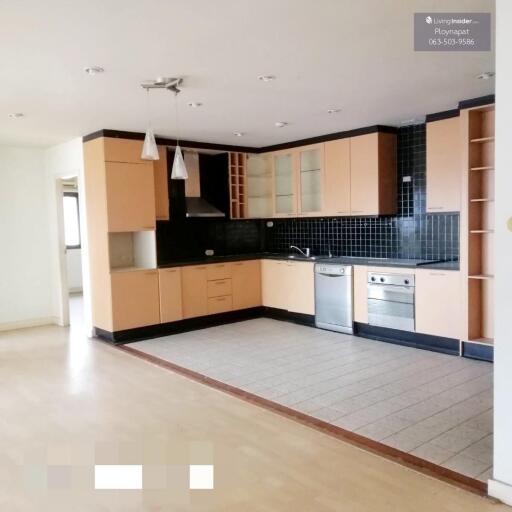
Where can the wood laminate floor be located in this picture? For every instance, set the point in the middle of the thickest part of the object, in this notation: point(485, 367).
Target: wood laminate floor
point(69, 403)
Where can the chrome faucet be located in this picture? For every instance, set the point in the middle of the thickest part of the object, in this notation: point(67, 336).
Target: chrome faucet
point(306, 253)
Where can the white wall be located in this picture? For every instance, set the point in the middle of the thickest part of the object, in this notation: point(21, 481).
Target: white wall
point(25, 250)
point(501, 485)
point(74, 269)
point(63, 161)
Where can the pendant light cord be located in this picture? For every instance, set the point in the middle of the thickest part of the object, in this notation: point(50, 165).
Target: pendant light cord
point(177, 123)
point(148, 110)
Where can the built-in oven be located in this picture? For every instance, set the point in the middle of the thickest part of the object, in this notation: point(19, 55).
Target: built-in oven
point(391, 300)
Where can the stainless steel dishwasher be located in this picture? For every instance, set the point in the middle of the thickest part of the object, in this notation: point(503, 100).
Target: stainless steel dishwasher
point(333, 297)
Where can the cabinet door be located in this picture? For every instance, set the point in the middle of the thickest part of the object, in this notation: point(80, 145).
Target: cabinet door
point(274, 283)
point(311, 179)
point(169, 280)
point(300, 295)
point(246, 284)
point(130, 197)
point(135, 301)
point(161, 185)
point(438, 303)
point(361, 294)
point(285, 184)
point(123, 150)
point(195, 291)
point(259, 186)
point(218, 271)
point(444, 165)
point(337, 177)
point(364, 175)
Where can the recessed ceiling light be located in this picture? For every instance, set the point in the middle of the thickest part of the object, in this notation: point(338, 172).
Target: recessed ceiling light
point(16, 115)
point(266, 78)
point(195, 104)
point(333, 110)
point(239, 134)
point(280, 124)
point(94, 70)
point(486, 76)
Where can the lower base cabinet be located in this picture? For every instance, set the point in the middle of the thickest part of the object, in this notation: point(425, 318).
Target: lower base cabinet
point(135, 299)
point(194, 282)
point(246, 284)
point(171, 304)
point(438, 303)
point(221, 304)
point(274, 284)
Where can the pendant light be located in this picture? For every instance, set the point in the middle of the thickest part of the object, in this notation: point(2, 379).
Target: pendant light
point(149, 148)
point(179, 170)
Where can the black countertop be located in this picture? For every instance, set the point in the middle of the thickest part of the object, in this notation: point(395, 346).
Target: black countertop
point(342, 260)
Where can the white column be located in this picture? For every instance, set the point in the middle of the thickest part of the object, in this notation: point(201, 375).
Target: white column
point(501, 484)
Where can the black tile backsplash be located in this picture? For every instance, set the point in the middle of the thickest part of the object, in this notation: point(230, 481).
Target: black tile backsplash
point(412, 233)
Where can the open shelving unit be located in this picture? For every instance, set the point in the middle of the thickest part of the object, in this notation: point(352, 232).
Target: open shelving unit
point(479, 222)
point(237, 185)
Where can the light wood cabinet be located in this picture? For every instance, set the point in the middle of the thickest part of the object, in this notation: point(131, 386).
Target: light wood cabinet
point(444, 166)
point(169, 281)
point(123, 150)
point(135, 299)
point(300, 293)
point(218, 271)
point(259, 186)
point(220, 304)
point(311, 179)
point(130, 196)
point(360, 294)
point(285, 183)
point(219, 287)
point(161, 185)
point(194, 291)
point(439, 303)
point(274, 284)
point(373, 174)
point(246, 284)
point(337, 177)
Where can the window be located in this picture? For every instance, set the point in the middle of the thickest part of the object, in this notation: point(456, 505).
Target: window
point(71, 221)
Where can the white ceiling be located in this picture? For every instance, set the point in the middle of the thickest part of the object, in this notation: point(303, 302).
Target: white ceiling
point(353, 55)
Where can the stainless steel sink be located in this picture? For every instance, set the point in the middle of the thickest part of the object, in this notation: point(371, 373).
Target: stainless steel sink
point(303, 258)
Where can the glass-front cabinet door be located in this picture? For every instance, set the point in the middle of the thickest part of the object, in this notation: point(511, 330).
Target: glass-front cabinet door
point(259, 186)
point(311, 176)
point(285, 196)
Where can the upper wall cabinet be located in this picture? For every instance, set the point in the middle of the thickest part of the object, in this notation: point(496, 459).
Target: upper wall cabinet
point(373, 174)
point(161, 185)
point(130, 196)
point(259, 186)
point(123, 150)
point(285, 183)
point(337, 177)
point(444, 166)
point(311, 179)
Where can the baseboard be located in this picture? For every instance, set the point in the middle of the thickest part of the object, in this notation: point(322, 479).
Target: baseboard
point(478, 351)
point(32, 322)
point(500, 491)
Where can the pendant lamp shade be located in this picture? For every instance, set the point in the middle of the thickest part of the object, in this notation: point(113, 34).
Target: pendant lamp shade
point(179, 171)
point(149, 149)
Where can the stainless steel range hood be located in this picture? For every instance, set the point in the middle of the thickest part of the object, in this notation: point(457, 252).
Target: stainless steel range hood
point(196, 206)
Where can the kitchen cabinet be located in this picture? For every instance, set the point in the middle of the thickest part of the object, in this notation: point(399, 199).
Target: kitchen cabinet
point(135, 299)
point(373, 174)
point(130, 190)
point(274, 284)
point(300, 293)
point(439, 303)
point(169, 281)
point(220, 304)
point(311, 179)
point(195, 291)
point(360, 294)
point(246, 284)
point(259, 186)
point(337, 177)
point(444, 165)
point(218, 271)
point(219, 288)
point(161, 185)
point(123, 150)
point(285, 183)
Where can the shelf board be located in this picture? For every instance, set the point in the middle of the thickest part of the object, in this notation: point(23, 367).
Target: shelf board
point(481, 231)
point(481, 276)
point(483, 168)
point(482, 200)
point(482, 341)
point(482, 140)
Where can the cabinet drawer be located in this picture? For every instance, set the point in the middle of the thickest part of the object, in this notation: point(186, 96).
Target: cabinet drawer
point(219, 287)
point(220, 304)
point(218, 271)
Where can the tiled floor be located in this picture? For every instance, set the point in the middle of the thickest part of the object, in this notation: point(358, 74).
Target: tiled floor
point(435, 406)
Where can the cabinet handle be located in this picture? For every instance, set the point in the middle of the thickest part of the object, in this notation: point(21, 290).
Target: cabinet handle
point(220, 299)
point(200, 268)
point(148, 227)
point(436, 274)
point(151, 273)
point(435, 208)
point(345, 211)
point(239, 264)
point(220, 282)
point(170, 270)
point(357, 211)
point(220, 266)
